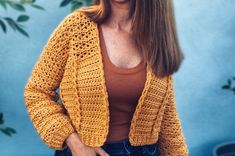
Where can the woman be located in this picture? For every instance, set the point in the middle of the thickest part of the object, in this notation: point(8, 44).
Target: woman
point(113, 62)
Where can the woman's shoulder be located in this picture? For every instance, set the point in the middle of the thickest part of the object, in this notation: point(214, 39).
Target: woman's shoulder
point(75, 16)
point(74, 19)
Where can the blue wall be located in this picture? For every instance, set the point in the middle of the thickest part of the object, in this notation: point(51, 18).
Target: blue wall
point(206, 32)
point(207, 36)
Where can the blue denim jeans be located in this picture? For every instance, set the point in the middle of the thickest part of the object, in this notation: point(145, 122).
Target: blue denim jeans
point(120, 148)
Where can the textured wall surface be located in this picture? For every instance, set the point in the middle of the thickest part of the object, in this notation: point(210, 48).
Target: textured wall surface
point(207, 35)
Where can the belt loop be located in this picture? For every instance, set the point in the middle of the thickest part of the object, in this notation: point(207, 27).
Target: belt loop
point(126, 146)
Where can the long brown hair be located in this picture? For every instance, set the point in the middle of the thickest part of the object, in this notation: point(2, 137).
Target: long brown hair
point(153, 28)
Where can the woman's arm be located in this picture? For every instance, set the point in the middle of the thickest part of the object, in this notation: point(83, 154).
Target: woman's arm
point(171, 139)
point(48, 116)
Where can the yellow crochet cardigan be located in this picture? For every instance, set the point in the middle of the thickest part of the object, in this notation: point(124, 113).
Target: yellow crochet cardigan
point(71, 61)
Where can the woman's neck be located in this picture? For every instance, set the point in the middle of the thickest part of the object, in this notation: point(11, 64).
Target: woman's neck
point(118, 19)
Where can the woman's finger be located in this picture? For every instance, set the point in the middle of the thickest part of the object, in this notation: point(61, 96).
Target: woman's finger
point(101, 151)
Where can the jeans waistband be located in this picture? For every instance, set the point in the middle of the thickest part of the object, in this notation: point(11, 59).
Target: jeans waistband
point(122, 146)
point(116, 142)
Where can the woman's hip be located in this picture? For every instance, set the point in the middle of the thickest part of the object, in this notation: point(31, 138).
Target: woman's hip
point(121, 148)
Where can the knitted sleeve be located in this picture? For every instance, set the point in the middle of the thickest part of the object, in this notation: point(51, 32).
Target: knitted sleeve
point(171, 139)
point(47, 115)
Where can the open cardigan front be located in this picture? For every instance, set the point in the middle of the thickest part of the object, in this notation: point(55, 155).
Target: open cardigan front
point(72, 61)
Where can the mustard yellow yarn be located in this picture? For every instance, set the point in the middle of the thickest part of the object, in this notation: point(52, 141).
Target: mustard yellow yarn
point(71, 61)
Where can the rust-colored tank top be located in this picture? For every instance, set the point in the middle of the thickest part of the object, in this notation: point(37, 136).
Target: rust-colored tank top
point(124, 87)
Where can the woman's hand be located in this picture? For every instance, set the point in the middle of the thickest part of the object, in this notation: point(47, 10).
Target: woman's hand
point(77, 148)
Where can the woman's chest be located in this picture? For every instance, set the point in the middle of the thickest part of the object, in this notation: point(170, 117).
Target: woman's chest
point(120, 48)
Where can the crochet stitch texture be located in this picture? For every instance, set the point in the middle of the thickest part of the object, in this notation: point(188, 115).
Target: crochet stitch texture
point(71, 61)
